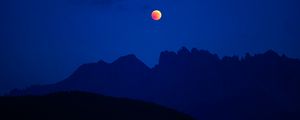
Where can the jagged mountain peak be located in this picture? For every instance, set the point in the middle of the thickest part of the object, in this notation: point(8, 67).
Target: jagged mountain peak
point(167, 57)
point(129, 61)
point(271, 53)
point(127, 58)
point(102, 62)
point(183, 51)
point(185, 55)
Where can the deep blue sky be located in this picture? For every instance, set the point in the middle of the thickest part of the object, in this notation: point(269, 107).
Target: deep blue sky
point(44, 41)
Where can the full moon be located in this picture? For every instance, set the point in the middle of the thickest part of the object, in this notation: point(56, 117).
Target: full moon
point(156, 15)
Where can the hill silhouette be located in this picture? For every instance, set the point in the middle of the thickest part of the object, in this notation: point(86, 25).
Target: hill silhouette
point(261, 86)
point(82, 106)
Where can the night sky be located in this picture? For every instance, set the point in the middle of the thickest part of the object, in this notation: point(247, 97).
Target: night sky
point(44, 41)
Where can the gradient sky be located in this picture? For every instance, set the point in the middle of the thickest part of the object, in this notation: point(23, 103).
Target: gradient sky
point(44, 41)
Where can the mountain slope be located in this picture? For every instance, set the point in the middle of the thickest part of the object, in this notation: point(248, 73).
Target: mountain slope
point(82, 106)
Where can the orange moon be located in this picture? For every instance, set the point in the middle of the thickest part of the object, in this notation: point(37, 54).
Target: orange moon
point(156, 15)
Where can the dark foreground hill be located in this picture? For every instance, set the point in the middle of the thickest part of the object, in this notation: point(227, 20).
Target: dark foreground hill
point(82, 106)
point(262, 86)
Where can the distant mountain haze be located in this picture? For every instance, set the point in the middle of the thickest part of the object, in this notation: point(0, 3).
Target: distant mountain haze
point(196, 82)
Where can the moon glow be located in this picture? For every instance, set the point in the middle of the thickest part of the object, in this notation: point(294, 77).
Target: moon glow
point(156, 15)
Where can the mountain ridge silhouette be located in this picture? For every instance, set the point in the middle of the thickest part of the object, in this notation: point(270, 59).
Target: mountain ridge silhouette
point(196, 82)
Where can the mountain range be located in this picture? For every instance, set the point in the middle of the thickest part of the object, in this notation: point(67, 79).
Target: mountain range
point(196, 82)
